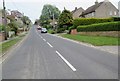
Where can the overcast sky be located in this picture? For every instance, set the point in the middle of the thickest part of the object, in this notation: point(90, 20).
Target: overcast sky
point(32, 8)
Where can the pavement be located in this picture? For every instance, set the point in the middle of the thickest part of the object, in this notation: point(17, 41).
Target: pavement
point(44, 56)
point(111, 49)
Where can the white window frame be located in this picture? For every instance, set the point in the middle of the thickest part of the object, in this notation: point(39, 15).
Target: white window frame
point(115, 13)
point(110, 13)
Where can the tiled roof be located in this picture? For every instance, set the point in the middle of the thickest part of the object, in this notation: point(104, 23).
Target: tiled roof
point(77, 9)
point(91, 9)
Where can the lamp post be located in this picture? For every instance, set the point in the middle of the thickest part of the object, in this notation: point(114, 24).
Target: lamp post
point(5, 19)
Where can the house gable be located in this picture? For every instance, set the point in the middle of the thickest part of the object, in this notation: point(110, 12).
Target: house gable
point(105, 10)
point(100, 10)
point(77, 12)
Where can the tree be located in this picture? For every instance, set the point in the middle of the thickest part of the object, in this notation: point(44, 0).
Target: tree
point(26, 20)
point(65, 18)
point(48, 12)
point(13, 27)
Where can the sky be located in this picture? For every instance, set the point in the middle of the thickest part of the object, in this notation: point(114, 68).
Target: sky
point(33, 8)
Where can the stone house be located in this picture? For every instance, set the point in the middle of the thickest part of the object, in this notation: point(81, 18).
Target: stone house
point(77, 12)
point(119, 7)
point(0, 16)
point(103, 9)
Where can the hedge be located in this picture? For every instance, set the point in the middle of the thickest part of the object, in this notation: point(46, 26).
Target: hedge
point(109, 26)
point(88, 21)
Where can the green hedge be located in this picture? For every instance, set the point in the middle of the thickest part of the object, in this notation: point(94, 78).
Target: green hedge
point(88, 21)
point(109, 26)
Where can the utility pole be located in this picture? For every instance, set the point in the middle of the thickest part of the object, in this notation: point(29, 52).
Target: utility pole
point(5, 19)
point(53, 21)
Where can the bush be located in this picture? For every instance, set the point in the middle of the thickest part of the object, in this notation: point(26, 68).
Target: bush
point(88, 21)
point(51, 31)
point(61, 30)
point(70, 28)
point(14, 27)
point(1, 28)
point(109, 26)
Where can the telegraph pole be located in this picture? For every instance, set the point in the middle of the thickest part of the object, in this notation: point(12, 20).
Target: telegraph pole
point(5, 19)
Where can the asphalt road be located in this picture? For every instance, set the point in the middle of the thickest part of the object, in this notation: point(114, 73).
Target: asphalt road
point(43, 56)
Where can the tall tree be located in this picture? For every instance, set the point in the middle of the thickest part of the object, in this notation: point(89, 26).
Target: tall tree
point(26, 20)
point(48, 12)
point(65, 18)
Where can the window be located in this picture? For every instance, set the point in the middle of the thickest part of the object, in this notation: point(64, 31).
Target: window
point(93, 14)
point(110, 12)
point(115, 13)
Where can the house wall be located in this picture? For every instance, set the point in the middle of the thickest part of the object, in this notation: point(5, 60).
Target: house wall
point(77, 13)
point(107, 9)
point(119, 7)
point(0, 17)
point(90, 15)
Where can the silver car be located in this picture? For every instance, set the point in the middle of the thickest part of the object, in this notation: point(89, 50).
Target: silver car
point(43, 30)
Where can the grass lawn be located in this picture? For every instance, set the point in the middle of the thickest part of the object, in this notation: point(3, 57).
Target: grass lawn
point(7, 45)
point(94, 40)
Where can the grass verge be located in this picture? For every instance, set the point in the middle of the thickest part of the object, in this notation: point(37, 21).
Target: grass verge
point(94, 40)
point(7, 45)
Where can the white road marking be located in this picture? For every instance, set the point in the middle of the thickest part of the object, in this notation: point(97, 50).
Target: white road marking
point(3, 60)
point(66, 61)
point(49, 44)
point(44, 39)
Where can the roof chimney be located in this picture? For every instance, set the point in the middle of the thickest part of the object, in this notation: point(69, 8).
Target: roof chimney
point(96, 2)
point(75, 8)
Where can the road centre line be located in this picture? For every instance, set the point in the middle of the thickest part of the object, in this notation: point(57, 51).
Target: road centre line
point(44, 39)
point(49, 44)
point(66, 61)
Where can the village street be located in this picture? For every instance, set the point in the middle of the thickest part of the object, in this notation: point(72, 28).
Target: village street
point(43, 56)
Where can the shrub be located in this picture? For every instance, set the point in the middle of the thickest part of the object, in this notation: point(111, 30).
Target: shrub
point(70, 28)
point(109, 26)
point(61, 30)
point(1, 28)
point(88, 21)
point(51, 31)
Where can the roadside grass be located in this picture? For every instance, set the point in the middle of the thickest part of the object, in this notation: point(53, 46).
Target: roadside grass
point(7, 45)
point(94, 40)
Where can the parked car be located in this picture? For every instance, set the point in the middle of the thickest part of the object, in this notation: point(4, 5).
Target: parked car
point(39, 28)
point(43, 30)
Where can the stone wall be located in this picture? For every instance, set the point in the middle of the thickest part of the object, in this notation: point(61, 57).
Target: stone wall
point(106, 33)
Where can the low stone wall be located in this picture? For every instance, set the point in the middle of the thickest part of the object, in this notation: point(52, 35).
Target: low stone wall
point(106, 33)
point(2, 37)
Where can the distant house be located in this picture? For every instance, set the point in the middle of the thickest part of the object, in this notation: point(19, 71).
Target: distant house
point(0, 16)
point(103, 9)
point(119, 7)
point(77, 12)
point(16, 14)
